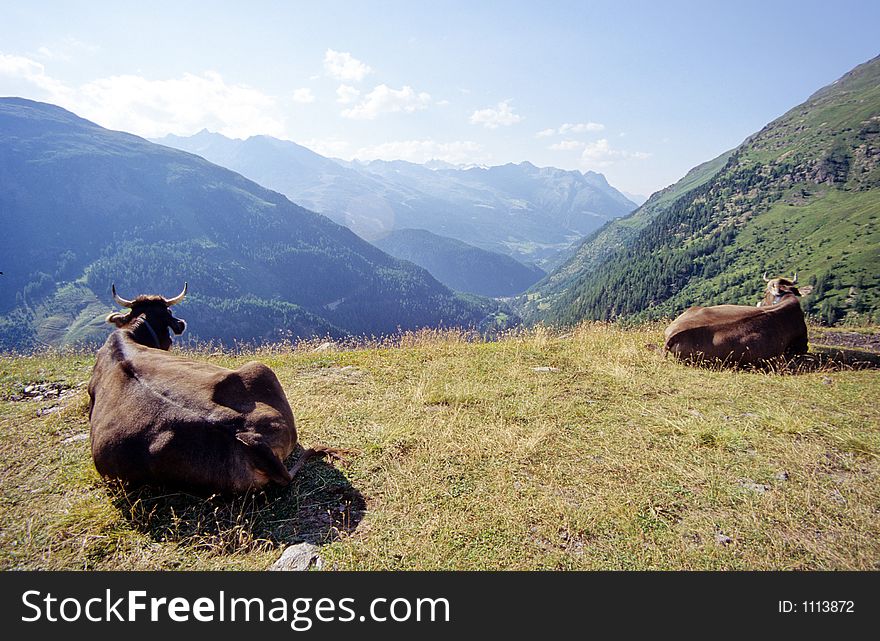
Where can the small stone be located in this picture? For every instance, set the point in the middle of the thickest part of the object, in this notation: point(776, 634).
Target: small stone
point(75, 438)
point(29, 389)
point(545, 369)
point(722, 539)
point(325, 347)
point(782, 476)
point(826, 381)
point(837, 497)
point(296, 558)
point(757, 488)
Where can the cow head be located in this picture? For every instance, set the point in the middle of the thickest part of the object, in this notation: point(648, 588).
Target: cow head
point(779, 288)
point(149, 318)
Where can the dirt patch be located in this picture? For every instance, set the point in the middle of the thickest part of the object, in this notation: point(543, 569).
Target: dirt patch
point(870, 342)
point(51, 391)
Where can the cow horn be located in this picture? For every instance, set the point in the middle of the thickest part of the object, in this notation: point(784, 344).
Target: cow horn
point(766, 280)
point(119, 299)
point(173, 301)
point(794, 280)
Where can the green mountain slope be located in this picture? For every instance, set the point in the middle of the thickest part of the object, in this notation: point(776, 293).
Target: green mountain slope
point(83, 207)
point(460, 266)
point(599, 246)
point(803, 194)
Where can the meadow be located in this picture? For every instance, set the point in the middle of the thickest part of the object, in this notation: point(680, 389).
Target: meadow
point(581, 449)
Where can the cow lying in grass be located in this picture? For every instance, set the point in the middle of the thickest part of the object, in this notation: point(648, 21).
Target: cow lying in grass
point(743, 335)
point(160, 419)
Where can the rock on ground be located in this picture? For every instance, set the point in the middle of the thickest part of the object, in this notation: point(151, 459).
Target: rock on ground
point(296, 558)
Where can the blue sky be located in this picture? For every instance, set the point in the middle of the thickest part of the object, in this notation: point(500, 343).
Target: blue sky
point(640, 91)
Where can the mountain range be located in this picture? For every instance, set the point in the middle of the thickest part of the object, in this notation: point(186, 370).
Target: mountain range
point(801, 195)
point(84, 207)
point(530, 213)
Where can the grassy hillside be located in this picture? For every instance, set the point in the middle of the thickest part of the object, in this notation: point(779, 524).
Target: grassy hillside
point(539, 451)
point(838, 237)
point(800, 195)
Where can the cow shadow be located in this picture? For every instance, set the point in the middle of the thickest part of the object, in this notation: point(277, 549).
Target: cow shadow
point(320, 506)
point(820, 358)
point(823, 358)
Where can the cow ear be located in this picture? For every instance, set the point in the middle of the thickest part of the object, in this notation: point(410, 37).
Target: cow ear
point(805, 290)
point(178, 325)
point(117, 319)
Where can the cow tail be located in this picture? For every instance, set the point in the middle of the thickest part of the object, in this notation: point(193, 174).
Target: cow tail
point(319, 451)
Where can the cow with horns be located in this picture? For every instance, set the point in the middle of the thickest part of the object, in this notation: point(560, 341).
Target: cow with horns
point(743, 335)
point(160, 419)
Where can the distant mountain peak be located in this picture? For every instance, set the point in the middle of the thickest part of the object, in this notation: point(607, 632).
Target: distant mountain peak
point(527, 212)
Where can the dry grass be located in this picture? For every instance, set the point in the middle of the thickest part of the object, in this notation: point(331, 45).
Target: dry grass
point(579, 451)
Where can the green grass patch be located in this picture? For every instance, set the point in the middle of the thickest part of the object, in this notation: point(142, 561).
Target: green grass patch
point(539, 451)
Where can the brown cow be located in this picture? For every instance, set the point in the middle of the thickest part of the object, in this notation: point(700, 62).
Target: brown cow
point(742, 335)
point(157, 418)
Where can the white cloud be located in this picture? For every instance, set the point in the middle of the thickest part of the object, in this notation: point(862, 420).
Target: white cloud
point(303, 95)
point(420, 151)
point(330, 147)
point(599, 152)
point(342, 66)
point(150, 108)
point(567, 145)
point(50, 54)
point(18, 71)
point(571, 128)
point(180, 105)
point(346, 94)
point(580, 127)
point(602, 154)
point(499, 116)
point(384, 99)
